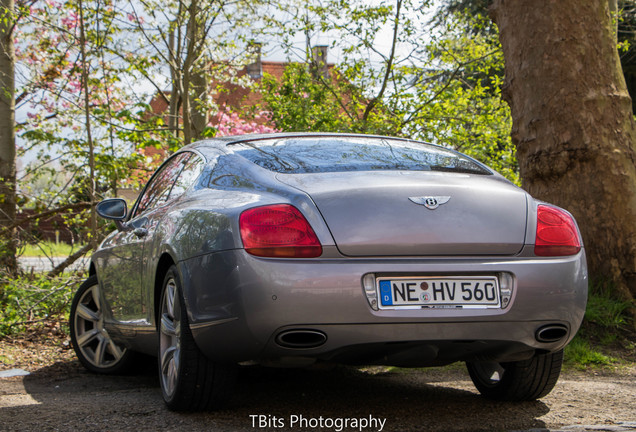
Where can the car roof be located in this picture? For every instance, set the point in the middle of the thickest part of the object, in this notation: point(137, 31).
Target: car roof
point(222, 143)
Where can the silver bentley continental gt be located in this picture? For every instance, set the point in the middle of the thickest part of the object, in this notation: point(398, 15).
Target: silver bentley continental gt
point(290, 249)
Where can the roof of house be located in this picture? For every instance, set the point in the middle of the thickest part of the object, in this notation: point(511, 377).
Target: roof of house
point(230, 95)
point(227, 96)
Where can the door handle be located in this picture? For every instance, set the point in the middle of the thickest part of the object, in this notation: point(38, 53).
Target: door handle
point(140, 232)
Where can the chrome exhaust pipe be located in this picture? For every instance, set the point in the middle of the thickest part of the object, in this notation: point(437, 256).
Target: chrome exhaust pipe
point(301, 338)
point(551, 333)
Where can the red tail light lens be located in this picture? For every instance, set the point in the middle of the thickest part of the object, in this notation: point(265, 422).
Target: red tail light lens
point(278, 230)
point(556, 233)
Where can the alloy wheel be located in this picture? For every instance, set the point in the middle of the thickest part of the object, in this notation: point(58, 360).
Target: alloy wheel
point(92, 339)
point(170, 338)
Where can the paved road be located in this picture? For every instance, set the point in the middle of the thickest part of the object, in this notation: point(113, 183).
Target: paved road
point(42, 264)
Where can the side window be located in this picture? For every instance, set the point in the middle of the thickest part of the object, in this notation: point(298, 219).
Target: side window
point(158, 190)
point(189, 174)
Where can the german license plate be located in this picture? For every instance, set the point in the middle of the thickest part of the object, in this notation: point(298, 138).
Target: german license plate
point(438, 292)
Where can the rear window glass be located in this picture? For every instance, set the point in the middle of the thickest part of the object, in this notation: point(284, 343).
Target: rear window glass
point(337, 154)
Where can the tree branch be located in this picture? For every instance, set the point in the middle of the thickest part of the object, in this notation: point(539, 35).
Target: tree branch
point(76, 206)
point(70, 260)
point(389, 66)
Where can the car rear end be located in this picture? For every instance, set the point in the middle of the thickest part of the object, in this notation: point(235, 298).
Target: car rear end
point(383, 263)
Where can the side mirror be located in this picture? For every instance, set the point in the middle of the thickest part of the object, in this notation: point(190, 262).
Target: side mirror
point(114, 209)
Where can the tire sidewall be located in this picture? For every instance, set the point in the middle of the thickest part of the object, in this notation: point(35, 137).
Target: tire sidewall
point(522, 380)
point(172, 273)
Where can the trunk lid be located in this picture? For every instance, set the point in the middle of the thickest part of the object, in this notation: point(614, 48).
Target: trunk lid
point(374, 213)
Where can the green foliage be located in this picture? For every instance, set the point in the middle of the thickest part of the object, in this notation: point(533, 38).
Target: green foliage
point(442, 87)
point(49, 249)
point(128, 65)
point(53, 97)
point(450, 9)
point(356, 96)
point(602, 330)
point(298, 102)
point(463, 106)
point(581, 355)
point(52, 89)
point(607, 311)
point(604, 310)
point(32, 302)
point(626, 38)
point(301, 102)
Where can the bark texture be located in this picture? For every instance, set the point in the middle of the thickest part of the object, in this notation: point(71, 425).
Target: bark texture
point(7, 139)
point(573, 125)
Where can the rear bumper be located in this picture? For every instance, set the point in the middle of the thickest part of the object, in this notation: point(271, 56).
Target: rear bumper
point(239, 304)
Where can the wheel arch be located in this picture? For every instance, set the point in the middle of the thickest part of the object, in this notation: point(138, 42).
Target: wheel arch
point(165, 262)
point(91, 269)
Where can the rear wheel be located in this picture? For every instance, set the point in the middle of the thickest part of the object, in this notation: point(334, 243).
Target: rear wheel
point(189, 381)
point(517, 381)
point(92, 344)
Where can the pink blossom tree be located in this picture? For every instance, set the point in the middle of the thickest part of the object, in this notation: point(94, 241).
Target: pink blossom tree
point(230, 123)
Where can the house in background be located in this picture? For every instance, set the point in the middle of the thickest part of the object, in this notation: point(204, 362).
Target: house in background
point(232, 100)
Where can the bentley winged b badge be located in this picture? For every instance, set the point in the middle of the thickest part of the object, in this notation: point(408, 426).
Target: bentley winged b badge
point(430, 202)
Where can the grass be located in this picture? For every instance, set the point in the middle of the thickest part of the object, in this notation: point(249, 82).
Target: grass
point(581, 355)
point(50, 249)
point(606, 311)
point(605, 338)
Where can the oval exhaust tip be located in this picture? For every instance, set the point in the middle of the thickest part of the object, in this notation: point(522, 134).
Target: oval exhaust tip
point(301, 339)
point(551, 333)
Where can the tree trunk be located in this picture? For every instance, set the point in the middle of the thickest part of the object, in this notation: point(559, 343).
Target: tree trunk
point(573, 125)
point(7, 138)
point(199, 116)
point(193, 33)
point(92, 221)
point(173, 116)
point(185, 95)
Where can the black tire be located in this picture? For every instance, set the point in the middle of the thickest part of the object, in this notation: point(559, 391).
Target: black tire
point(189, 380)
point(525, 380)
point(92, 344)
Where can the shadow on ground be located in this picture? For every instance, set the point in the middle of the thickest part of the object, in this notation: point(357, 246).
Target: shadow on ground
point(65, 397)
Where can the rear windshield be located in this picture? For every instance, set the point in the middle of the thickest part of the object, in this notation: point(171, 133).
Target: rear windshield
point(337, 154)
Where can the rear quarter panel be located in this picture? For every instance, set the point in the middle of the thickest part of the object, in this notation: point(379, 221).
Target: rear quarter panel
point(204, 223)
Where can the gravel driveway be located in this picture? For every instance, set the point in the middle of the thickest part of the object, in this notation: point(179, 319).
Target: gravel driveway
point(65, 397)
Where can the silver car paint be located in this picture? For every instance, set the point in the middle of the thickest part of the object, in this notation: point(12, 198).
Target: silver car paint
point(274, 295)
point(373, 216)
point(238, 303)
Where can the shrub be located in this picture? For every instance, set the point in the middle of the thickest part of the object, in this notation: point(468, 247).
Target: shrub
point(34, 301)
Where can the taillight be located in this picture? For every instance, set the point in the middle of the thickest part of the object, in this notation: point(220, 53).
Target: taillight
point(556, 233)
point(278, 230)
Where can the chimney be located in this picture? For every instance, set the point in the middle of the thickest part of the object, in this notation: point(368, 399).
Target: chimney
point(255, 69)
point(319, 61)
